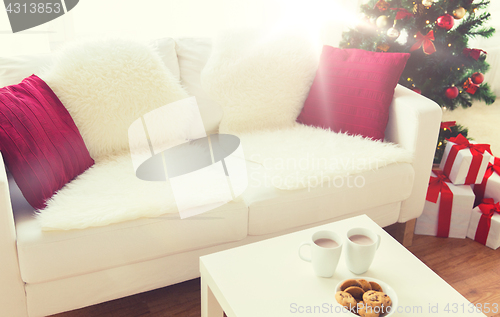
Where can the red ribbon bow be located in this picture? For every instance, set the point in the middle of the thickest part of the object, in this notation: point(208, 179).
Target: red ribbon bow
point(477, 151)
point(438, 185)
point(488, 209)
point(473, 52)
point(479, 189)
point(425, 42)
point(448, 124)
point(402, 13)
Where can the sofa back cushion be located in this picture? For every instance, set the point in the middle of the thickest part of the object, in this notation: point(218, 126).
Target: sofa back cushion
point(260, 79)
point(39, 140)
point(106, 85)
point(193, 54)
point(352, 91)
point(13, 69)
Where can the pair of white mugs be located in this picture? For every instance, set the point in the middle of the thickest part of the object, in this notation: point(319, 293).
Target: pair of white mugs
point(326, 248)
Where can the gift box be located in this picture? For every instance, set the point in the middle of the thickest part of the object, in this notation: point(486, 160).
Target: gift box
point(447, 208)
point(490, 186)
point(464, 162)
point(484, 226)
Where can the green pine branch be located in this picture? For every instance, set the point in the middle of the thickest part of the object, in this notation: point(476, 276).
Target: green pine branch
point(485, 32)
point(471, 22)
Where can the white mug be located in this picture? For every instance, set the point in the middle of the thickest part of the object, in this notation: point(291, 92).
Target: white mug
point(326, 255)
point(361, 245)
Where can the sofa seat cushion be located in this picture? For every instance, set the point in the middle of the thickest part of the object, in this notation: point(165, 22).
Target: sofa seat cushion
point(50, 255)
point(273, 210)
point(305, 156)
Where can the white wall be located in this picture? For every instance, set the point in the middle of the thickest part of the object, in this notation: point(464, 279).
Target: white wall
point(148, 19)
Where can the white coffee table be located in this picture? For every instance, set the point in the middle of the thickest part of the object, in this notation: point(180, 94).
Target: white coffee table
point(268, 278)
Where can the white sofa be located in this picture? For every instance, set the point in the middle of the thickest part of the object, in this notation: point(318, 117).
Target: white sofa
point(46, 272)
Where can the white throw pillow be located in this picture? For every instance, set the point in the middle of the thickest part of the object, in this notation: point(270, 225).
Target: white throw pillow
point(107, 84)
point(260, 80)
point(193, 54)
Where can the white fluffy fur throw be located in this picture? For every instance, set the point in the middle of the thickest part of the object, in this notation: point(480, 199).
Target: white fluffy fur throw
point(260, 80)
point(106, 85)
point(305, 157)
point(108, 192)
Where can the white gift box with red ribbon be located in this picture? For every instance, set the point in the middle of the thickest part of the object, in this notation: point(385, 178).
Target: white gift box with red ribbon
point(485, 231)
point(490, 186)
point(465, 162)
point(448, 215)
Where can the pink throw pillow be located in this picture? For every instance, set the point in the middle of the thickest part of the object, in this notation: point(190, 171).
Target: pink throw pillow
point(352, 91)
point(40, 143)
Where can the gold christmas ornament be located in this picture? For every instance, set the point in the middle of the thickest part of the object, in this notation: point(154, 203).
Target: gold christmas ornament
point(459, 13)
point(382, 21)
point(393, 33)
point(418, 9)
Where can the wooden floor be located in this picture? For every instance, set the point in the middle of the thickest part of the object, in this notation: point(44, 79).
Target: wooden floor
point(472, 269)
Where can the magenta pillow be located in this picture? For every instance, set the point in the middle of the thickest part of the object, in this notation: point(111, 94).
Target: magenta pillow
point(40, 143)
point(352, 91)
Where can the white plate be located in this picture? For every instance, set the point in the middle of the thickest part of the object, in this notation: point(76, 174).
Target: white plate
point(385, 288)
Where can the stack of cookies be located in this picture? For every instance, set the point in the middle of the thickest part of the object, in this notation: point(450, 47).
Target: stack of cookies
point(364, 298)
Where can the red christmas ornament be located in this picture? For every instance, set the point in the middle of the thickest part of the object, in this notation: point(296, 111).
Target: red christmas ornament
point(477, 78)
point(417, 90)
point(445, 21)
point(470, 87)
point(451, 92)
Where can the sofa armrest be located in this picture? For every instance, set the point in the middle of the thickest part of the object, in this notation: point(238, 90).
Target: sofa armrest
point(414, 122)
point(12, 294)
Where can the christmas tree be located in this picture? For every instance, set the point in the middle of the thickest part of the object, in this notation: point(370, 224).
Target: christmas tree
point(442, 66)
point(448, 129)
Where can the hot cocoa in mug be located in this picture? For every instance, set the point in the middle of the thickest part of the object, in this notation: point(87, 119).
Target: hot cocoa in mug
point(360, 247)
point(326, 247)
point(326, 243)
point(361, 239)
